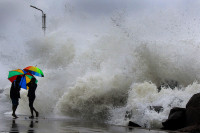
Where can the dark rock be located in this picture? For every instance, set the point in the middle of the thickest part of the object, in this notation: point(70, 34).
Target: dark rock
point(193, 110)
point(186, 119)
point(194, 101)
point(156, 108)
point(132, 124)
point(191, 129)
point(192, 116)
point(176, 119)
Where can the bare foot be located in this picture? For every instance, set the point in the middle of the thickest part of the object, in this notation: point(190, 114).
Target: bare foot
point(14, 115)
point(31, 117)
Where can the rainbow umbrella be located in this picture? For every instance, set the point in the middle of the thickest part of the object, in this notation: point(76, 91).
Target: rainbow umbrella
point(34, 70)
point(26, 77)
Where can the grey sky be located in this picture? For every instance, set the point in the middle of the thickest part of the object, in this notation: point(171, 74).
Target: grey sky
point(100, 7)
point(18, 13)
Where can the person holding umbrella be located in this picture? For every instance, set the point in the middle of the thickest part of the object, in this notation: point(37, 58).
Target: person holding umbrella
point(31, 95)
point(32, 87)
point(15, 94)
point(24, 79)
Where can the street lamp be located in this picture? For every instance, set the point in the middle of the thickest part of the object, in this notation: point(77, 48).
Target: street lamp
point(43, 18)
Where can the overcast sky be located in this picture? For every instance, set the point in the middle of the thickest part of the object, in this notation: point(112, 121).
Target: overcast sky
point(15, 14)
point(100, 7)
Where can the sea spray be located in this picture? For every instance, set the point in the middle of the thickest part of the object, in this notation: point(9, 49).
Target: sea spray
point(96, 79)
point(93, 85)
point(51, 52)
point(93, 96)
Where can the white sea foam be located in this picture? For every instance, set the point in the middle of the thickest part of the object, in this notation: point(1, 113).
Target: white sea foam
point(143, 95)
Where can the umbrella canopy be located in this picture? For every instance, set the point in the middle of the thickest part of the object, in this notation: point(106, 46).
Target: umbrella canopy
point(34, 70)
point(26, 77)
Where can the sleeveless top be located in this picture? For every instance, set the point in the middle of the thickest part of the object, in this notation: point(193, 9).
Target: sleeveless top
point(15, 90)
point(31, 91)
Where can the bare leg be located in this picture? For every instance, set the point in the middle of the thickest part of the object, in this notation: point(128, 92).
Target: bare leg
point(14, 107)
point(36, 112)
point(31, 109)
point(31, 101)
point(32, 116)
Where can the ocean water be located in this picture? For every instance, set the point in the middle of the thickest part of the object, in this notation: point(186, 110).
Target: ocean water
point(103, 59)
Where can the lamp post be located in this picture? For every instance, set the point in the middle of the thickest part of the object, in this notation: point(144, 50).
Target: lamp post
point(43, 18)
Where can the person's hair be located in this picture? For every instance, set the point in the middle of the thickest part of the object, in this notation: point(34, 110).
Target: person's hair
point(33, 79)
point(18, 78)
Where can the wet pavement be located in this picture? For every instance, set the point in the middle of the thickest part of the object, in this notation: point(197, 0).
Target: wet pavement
point(53, 125)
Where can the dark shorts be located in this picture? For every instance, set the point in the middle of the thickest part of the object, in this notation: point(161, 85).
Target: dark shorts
point(15, 101)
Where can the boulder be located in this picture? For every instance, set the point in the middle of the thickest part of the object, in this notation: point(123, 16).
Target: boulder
point(191, 129)
point(193, 110)
point(176, 119)
point(194, 101)
point(185, 119)
point(132, 124)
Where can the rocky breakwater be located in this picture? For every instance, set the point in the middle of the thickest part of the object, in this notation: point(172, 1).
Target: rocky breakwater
point(185, 119)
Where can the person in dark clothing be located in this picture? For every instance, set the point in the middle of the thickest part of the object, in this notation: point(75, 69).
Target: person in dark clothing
point(15, 94)
point(31, 95)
